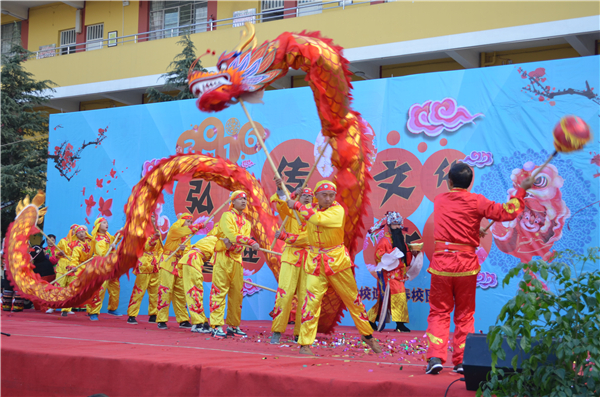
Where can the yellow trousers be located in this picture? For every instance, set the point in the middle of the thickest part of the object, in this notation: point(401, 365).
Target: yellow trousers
point(292, 280)
point(144, 282)
point(344, 284)
point(114, 288)
point(171, 287)
point(193, 284)
point(63, 282)
point(397, 306)
point(227, 280)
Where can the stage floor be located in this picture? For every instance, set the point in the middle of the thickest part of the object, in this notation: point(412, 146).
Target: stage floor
point(49, 355)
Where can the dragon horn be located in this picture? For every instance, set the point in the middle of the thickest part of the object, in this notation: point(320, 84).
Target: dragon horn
point(248, 36)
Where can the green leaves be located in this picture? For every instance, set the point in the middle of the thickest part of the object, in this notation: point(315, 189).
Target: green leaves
point(24, 132)
point(176, 76)
point(559, 345)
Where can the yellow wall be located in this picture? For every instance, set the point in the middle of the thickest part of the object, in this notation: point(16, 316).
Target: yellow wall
point(114, 16)
point(100, 104)
point(225, 9)
point(45, 24)
point(355, 26)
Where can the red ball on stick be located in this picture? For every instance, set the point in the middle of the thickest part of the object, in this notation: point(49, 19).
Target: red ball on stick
point(570, 134)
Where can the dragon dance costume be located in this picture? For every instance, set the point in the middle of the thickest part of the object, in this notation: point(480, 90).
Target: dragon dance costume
point(292, 277)
point(146, 279)
point(228, 272)
point(328, 264)
point(454, 266)
point(170, 273)
point(193, 280)
point(101, 245)
point(395, 277)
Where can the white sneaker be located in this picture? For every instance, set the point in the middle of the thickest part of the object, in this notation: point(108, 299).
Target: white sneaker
point(71, 312)
point(49, 311)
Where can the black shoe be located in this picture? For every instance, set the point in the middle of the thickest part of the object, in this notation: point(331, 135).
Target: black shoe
point(152, 319)
point(162, 326)
point(296, 337)
point(373, 325)
point(185, 324)
point(64, 314)
point(434, 366)
point(458, 369)
point(400, 327)
point(132, 320)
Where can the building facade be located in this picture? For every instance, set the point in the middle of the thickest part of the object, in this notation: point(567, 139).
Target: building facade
point(107, 53)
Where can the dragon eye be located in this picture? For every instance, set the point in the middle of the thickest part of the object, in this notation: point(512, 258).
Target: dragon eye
point(223, 66)
point(540, 181)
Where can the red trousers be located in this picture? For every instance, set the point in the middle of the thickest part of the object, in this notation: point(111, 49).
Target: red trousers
point(447, 294)
point(49, 278)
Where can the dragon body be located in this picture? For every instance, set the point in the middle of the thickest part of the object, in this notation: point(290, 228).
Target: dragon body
point(243, 74)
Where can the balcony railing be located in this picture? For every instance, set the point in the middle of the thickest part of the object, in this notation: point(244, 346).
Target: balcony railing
point(210, 25)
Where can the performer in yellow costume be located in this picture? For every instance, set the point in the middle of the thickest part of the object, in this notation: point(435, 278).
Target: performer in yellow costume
point(81, 251)
point(292, 277)
point(61, 267)
point(228, 273)
point(328, 264)
point(170, 273)
point(193, 280)
point(102, 241)
point(146, 279)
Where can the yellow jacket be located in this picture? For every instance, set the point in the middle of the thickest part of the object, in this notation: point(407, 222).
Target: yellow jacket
point(148, 262)
point(82, 251)
point(295, 236)
point(201, 252)
point(325, 230)
point(236, 228)
point(177, 235)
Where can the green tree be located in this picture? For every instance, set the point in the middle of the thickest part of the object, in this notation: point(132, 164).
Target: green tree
point(176, 77)
point(24, 148)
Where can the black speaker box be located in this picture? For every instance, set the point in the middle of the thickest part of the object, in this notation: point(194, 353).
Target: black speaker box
point(477, 361)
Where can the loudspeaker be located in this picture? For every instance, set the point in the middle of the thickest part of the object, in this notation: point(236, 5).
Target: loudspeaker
point(477, 361)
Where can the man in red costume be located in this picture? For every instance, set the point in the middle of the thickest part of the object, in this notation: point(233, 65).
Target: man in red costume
point(454, 267)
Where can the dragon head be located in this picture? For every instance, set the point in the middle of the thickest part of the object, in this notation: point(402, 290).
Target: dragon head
point(241, 73)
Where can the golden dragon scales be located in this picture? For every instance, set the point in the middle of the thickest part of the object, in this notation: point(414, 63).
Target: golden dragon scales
point(243, 73)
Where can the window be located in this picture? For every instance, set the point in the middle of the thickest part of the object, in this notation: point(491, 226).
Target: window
point(10, 33)
point(179, 17)
point(94, 36)
point(272, 10)
point(67, 37)
point(305, 7)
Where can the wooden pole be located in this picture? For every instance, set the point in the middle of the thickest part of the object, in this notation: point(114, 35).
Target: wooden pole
point(314, 167)
point(534, 175)
point(191, 235)
point(262, 249)
point(262, 144)
point(61, 251)
point(259, 286)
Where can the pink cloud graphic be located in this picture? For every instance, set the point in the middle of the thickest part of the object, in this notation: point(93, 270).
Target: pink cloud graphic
point(432, 117)
point(479, 159)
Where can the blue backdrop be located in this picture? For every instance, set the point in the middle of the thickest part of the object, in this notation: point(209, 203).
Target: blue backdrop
point(498, 119)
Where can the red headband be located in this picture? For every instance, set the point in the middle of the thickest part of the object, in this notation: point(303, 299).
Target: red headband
point(238, 195)
point(81, 229)
point(327, 186)
point(308, 191)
